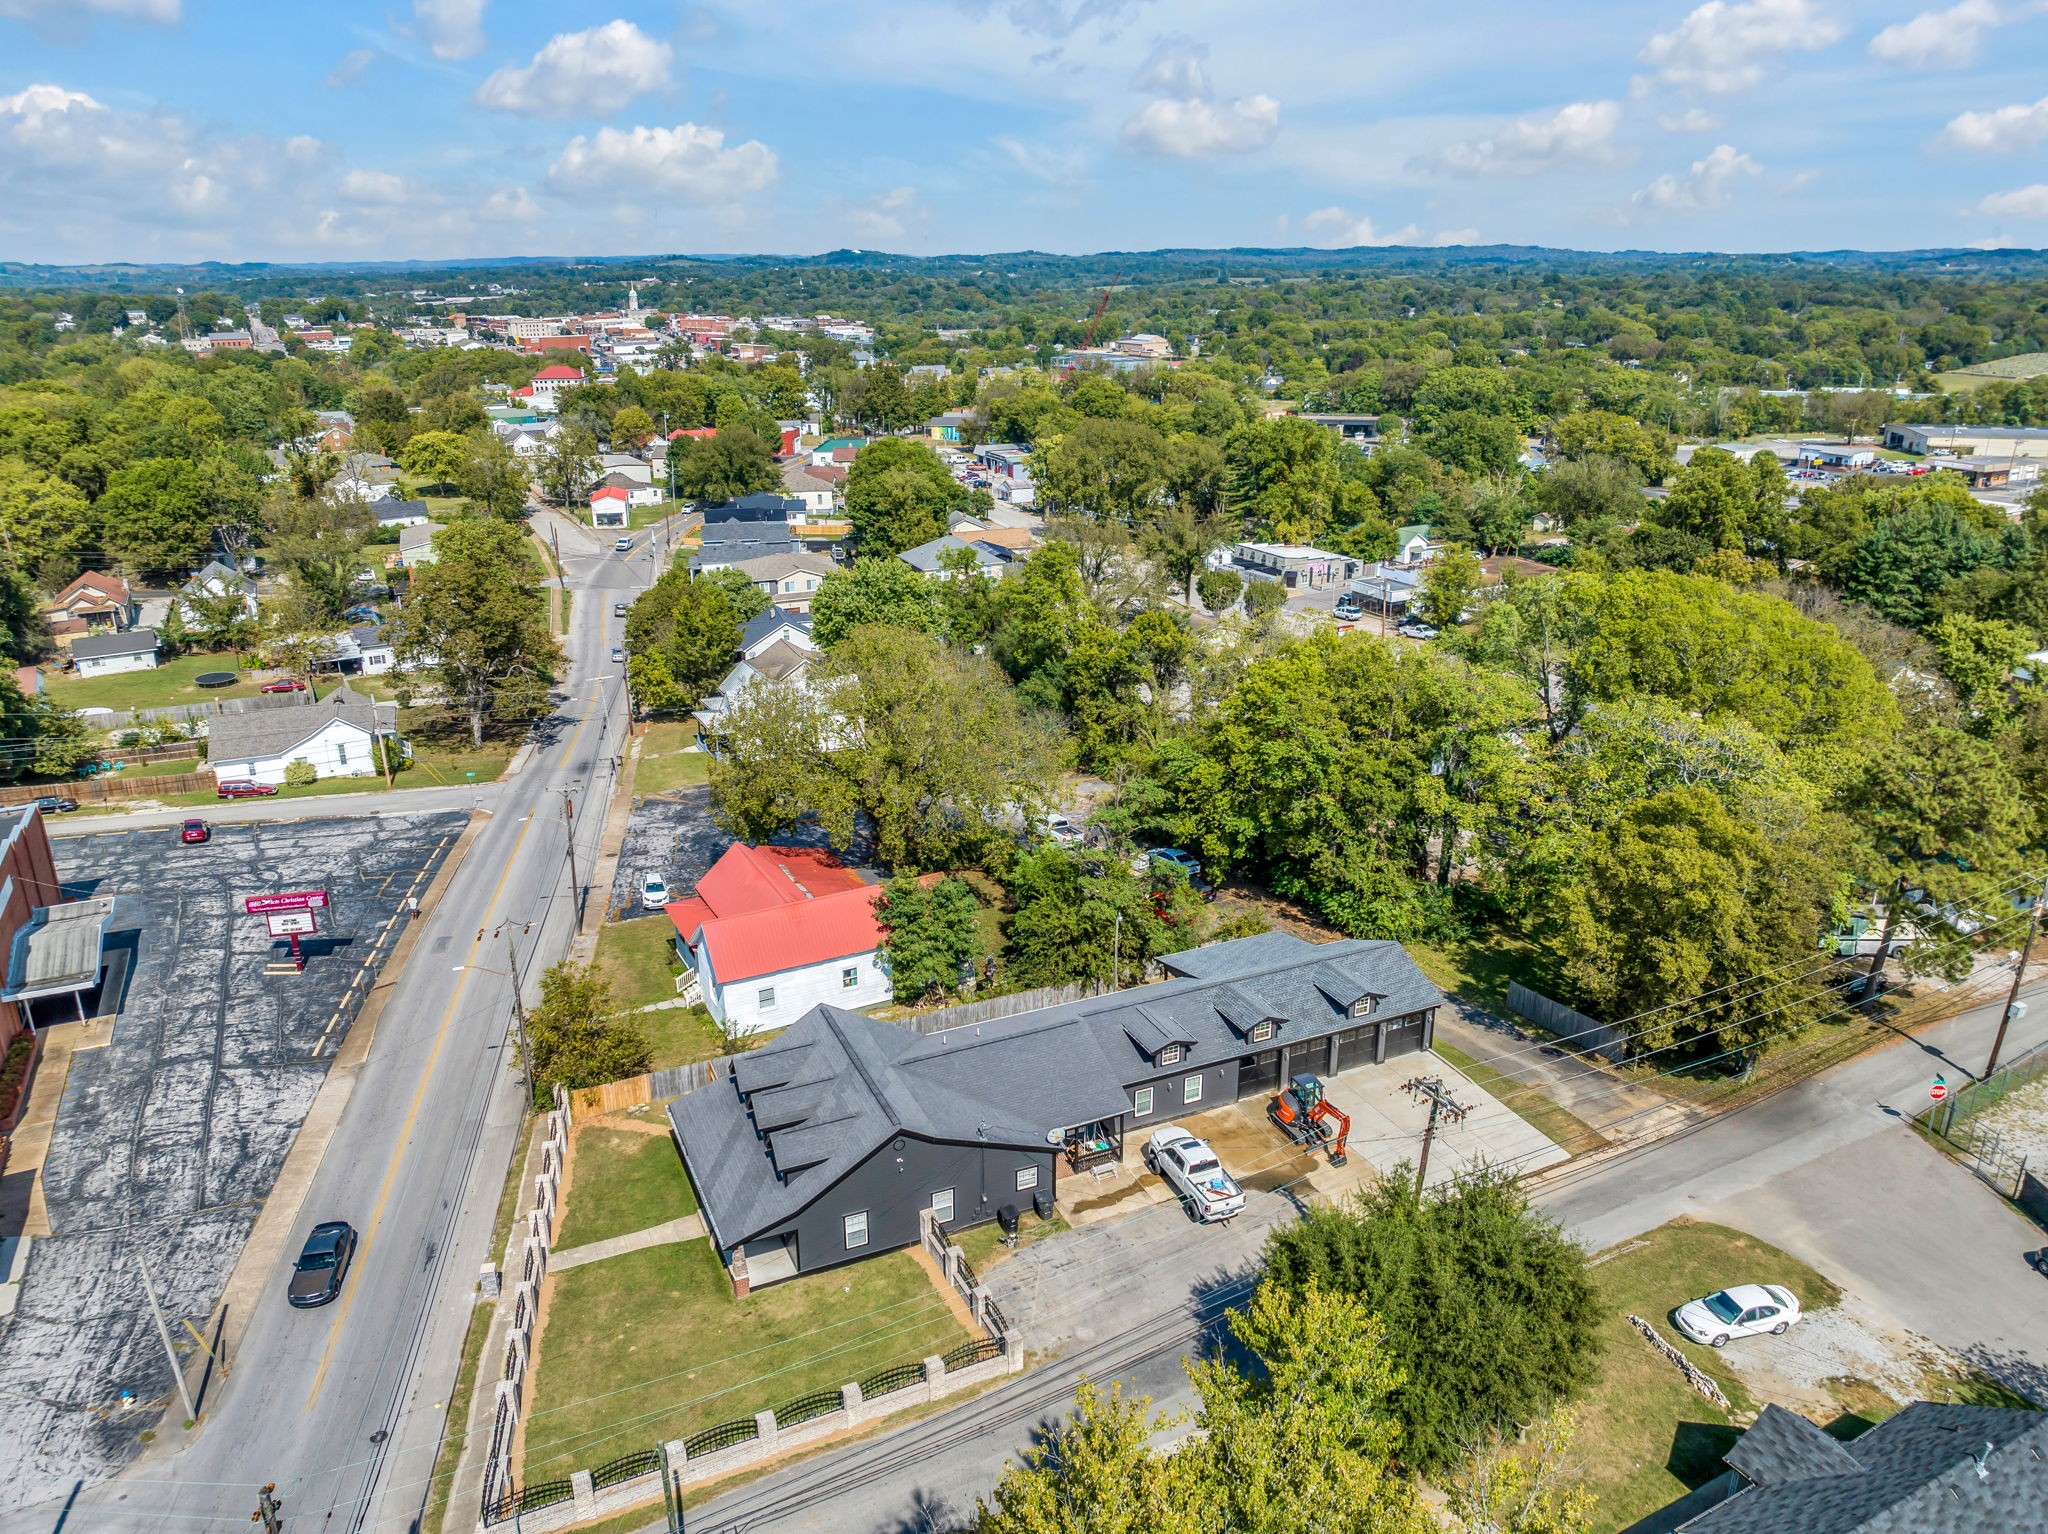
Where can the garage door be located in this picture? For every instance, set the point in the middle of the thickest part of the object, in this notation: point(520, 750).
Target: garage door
point(1355, 1046)
point(1259, 1075)
point(1404, 1037)
point(1309, 1059)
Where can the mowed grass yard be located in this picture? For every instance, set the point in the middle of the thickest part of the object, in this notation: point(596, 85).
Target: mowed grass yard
point(652, 1346)
point(172, 682)
point(1645, 1437)
point(665, 762)
point(639, 959)
point(620, 1181)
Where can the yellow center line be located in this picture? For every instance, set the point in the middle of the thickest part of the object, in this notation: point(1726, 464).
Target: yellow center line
point(419, 1096)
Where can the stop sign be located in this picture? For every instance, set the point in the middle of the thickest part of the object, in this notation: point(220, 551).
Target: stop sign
point(1938, 1089)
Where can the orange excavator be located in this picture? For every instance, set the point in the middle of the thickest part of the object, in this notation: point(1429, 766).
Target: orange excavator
point(1309, 1118)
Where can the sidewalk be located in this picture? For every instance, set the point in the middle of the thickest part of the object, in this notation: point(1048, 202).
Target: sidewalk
point(687, 1228)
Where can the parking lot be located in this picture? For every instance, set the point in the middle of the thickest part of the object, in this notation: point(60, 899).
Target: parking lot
point(169, 1137)
point(672, 835)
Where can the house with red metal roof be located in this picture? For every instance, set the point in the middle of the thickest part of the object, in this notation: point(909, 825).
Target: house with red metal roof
point(773, 931)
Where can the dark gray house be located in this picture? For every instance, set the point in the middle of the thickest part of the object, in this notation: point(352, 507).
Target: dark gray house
point(1959, 1469)
point(826, 1145)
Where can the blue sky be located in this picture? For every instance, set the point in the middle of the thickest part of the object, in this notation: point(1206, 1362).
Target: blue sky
point(287, 130)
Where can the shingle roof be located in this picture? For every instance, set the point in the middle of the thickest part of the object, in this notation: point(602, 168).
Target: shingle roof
point(782, 660)
point(395, 510)
point(1911, 1473)
point(725, 542)
point(101, 646)
point(272, 732)
point(762, 624)
point(1009, 1081)
point(767, 567)
point(1782, 1446)
point(926, 556)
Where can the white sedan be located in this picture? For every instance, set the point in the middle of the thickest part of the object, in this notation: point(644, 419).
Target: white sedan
point(654, 893)
point(1210, 1195)
point(1745, 1310)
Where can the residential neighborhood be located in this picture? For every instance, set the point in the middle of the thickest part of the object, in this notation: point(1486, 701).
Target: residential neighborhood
point(1287, 792)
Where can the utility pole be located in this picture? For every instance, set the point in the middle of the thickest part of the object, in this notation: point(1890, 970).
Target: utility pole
point(1116, 954)
point(575, 884)
point(2019, 971)
point(1441, 1106)
point(268, 1510)
point(163, 1332)
point(519, 1013)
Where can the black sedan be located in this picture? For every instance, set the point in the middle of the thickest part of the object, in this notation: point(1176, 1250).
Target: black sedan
point(323, 1263)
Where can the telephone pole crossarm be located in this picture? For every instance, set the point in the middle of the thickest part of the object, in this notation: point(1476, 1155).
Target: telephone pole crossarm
point(1443, 1107)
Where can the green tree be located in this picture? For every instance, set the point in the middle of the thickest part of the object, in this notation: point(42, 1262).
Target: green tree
point(631, 428)
point(928, 932)
point(1102, 468)
point(575, 1036)
point(63, 741)
point(1729, 503)
point(1098, 1473)
point(1219, 589)
point(1078, 918)
point(1589, 434)
point(1908, 556)
point(928, 746)
point(1521, 1484)
point(156, 517)
point(1450, 1275)
point(1263, 600)
point(1979, 656)
point(1473, 441)
point(1584, 495)
point(493, 480)
point(568, 465)
point(735, 461)
point(436, 457)
point(319, 545)
point(899, 495)
point(46, 525)
point(1282, 476)
point(875, 590)
point(681, 635)
point(1449, 582)
point(1685, 897)
point(476, 620)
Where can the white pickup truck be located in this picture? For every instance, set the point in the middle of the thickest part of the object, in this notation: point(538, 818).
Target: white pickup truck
point(1210, 1195)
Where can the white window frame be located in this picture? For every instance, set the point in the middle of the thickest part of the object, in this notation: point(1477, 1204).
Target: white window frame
point(849, 977)
point(1172, 1054)
point(851, 1223)
point(1027, 1178)
point(1141, 1103)
point(764, 998)
point(1262, 1030)
point(1191, 1089)
point(942, 1206)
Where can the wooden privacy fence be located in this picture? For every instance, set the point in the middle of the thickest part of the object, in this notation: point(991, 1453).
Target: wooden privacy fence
point(1573, 1028)
point(101, 790)
point(654, 1087)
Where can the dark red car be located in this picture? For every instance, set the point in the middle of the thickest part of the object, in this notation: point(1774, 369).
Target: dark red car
point(242, 788)
point(283, 684)
point(195, 831)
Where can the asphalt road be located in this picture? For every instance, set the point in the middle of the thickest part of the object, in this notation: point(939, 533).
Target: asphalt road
point(927, 1476)
point(344, 1407)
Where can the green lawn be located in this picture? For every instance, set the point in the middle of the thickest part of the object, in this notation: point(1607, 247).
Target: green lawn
point(652, 1345)
point(169, 683)
point(1554, 1121)
point(983, 1245)
point(1645, 1437)
point(679, 1035)
point(1479, 969)
point(639, 959)
point(622, 1180)
point(674, 769)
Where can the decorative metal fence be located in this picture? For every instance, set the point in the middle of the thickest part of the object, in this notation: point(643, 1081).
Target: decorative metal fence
point(805, 1407)
point(888, 1381)
point(625, 1467)
point(723, 1436)
point(529, 1499)
point(974, 1353)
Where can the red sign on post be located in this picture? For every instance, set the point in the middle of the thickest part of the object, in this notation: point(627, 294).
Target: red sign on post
point(296, 900)
point(1938, 1088)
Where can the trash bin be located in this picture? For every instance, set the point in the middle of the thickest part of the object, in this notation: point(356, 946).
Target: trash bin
point(1041, 1204)
point(1008, 1218)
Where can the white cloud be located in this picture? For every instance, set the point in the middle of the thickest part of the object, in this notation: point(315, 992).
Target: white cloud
point(1721, 47)
point(2004, 130)
point(1056, 20)
point(886, 218)
point(453, 29)
point(1582, 133)
point(1691, 120)
point(1192, 128)
point(2026, 202)
point(163, 11)
point(1341, 229)
point(1175, 67)
point(303, 148)
point(375, 186)
point(350, 68)
point(1708, 184)
point(509, 205)
point(581, 74)
point(1055, 167)
point(1938, 39)
point(1799, 182)
point(686, 159)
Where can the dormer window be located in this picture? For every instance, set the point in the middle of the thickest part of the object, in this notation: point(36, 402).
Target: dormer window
point(1171, 1054)
point(1362, 1007)
point(1262, 1030)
